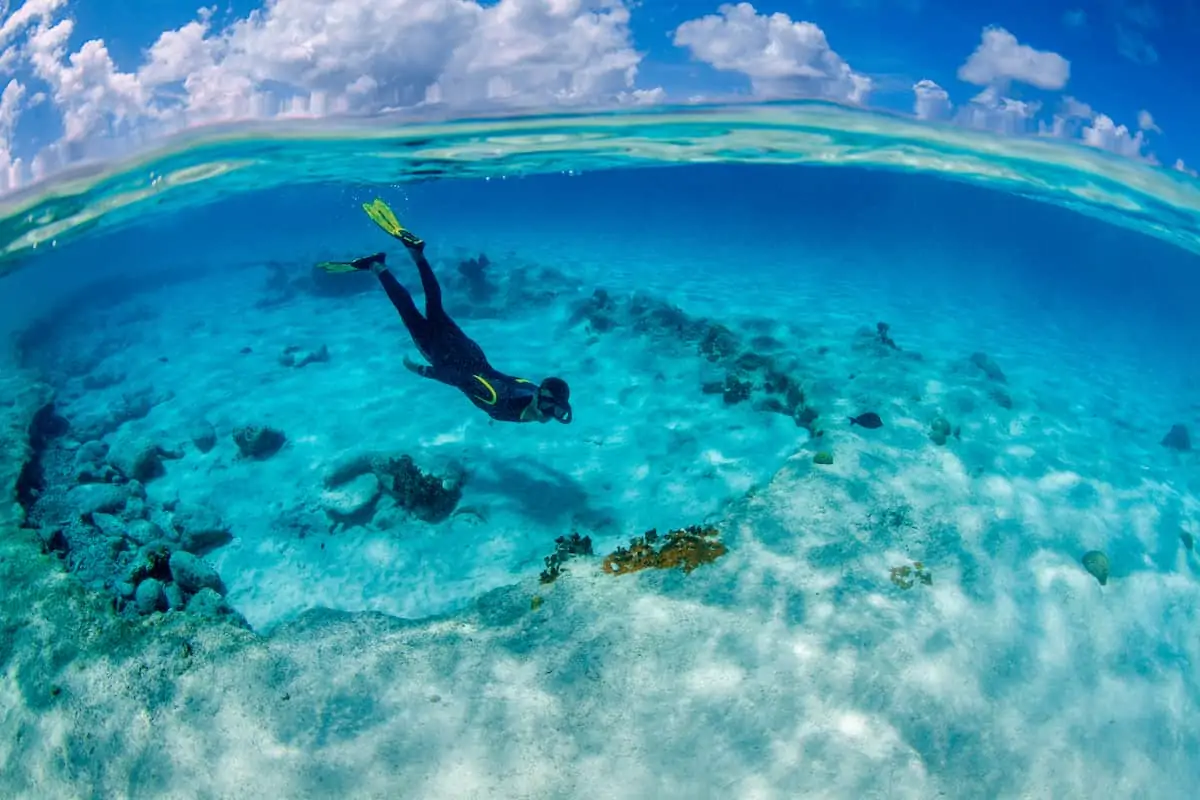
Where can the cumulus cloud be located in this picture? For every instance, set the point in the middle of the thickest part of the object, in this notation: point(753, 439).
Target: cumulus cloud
point(1184, 168)
point(991, 111)
point(1078, 120)
point(1146, 122)
point(1105, 134)
point(781, 57)
point(1000, 60)
point(10, 109)
point(932, 101)
point(318, 57)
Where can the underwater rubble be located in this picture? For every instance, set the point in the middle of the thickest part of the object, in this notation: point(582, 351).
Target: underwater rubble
point(87, 504)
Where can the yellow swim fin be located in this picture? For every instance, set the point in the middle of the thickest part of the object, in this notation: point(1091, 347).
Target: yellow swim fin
point(337, 267)
point(357, 265)
point(383, 216)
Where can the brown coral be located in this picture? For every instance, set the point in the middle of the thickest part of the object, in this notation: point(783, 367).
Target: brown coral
point(686, 548)
point(906, 577)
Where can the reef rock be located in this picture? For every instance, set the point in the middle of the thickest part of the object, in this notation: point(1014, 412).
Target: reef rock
point(207, 603)
point(143, 531)
point(138, 460)
point(258, 441)
point(200, 529)
point(192, 574)
point(109, 525)
point(176, 600)
point(92, 498)
point(989, 367)
point(89, 463)
point(352, 501)
point(148, 597)
point(151, 561)
point(1177, 439)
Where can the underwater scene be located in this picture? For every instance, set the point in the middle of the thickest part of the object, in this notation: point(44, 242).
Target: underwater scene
point(759, 451)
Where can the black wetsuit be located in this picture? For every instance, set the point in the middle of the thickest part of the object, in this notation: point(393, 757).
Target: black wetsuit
point(454, 358)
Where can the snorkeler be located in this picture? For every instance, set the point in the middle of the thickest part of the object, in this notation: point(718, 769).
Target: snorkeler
point(454, 359)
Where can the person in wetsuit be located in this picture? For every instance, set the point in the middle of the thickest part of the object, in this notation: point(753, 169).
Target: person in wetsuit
point(454, 358)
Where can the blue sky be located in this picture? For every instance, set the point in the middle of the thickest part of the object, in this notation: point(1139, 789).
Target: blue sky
point(86, 75)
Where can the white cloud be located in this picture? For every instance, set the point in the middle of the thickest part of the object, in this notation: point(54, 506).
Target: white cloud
point(10, 109)
point(1146, 122)
point(1105, 134)
point(317, 57)
point(1000, 60)
point(782, 58)
point(1078, 120)
point(1184, 168)
point(85, 85)
point(989, 110)
point(932, 101)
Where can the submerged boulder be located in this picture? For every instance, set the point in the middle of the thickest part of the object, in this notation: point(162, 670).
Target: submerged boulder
point(989, 367)
point(192, 574)
point(138, 460)
point(148, 596)
point(203, 435)
point(92, 498)
point(352, 501)
point(200, 529)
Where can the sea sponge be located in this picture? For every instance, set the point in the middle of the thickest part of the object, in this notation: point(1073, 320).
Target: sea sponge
point(686, 548)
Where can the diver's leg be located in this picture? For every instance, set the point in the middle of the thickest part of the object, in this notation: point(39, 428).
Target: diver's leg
point(429, 283)
point(418, 326)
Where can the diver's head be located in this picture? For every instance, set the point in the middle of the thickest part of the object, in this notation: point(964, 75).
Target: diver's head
point(553, 399)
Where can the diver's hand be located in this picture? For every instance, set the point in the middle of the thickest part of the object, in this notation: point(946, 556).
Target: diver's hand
point(413, 366)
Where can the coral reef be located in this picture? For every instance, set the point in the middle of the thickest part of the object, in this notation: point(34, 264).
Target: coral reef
point(474, 273)
point(258, 441)
point(906, 576)
point(685, 548)
point(565, 547)
point(882, 328)
point(427, 497)
point(747, 371)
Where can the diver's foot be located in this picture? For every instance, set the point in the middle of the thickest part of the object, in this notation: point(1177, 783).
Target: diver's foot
point(376, 262)
point(411, 241)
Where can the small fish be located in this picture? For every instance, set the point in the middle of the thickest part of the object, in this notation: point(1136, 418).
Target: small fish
point(867, 420)
point(245, 351)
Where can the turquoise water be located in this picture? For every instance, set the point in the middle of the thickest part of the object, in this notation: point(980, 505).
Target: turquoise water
point(902, 610)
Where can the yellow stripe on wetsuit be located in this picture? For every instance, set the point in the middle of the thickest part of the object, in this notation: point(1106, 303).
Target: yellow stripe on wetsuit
point(492, 389)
